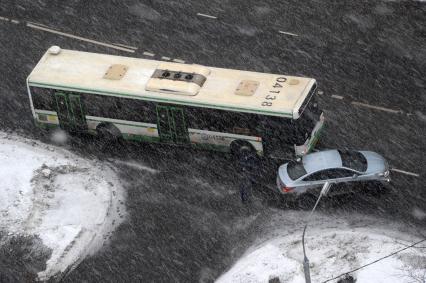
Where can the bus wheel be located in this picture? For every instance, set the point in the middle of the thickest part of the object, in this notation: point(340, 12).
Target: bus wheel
point(108, 133)
point(241, 149)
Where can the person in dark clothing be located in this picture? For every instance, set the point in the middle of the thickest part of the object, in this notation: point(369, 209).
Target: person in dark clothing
point(246, 187)
point(248, 165)
point(248, 162)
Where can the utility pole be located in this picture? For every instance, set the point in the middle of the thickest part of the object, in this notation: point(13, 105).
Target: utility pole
point(306, 269)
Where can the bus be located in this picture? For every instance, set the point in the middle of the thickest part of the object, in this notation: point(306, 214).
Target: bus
point(175, 103)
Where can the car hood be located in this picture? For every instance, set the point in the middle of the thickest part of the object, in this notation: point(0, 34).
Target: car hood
point(375, 162)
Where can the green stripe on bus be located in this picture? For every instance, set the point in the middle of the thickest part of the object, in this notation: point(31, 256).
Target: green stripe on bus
point(46, 125)
point(121, 123)
point(140, 138)
point(208, 146)
point(141, 126)
point(147, 98)
point(46, 112)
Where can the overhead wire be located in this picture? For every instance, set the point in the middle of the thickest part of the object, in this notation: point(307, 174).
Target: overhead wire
point(377, 260)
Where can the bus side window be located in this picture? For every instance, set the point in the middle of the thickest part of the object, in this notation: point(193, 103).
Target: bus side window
point(93, 104)
point(219, 120)
point(43, 98)
point(196, 118)
point(245, 123)
point(118, 104)
point(137, 110)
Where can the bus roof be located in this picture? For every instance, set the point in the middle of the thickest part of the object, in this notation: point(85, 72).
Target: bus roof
point(219, 88)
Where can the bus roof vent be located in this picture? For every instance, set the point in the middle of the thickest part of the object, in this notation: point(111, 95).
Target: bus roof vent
point(247, 88)
point(116, 72)
point(54, 50)
point(178, 79)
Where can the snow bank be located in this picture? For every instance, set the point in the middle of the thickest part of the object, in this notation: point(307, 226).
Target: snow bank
point(71, 203)
point(334, 246)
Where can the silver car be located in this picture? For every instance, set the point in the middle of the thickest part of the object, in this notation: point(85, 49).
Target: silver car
point(334, 166)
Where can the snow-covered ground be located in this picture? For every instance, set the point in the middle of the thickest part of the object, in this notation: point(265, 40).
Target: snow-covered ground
point(335, 245)
point(72, 204)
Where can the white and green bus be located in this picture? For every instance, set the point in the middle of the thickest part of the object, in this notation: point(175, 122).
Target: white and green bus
point(167, 102)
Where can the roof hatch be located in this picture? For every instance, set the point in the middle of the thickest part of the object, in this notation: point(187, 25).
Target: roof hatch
point(178, 78)
point(115, 72)
point(247, 88)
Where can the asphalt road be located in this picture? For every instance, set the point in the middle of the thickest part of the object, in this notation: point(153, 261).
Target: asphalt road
point(186, 223)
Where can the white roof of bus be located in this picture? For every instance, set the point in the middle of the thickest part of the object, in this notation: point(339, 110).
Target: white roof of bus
point(84, 72)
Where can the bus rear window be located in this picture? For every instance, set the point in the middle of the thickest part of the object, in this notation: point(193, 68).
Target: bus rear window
point(295, 170)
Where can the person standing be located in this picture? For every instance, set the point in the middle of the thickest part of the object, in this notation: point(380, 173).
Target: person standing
point(248, 165)
point(246, 187)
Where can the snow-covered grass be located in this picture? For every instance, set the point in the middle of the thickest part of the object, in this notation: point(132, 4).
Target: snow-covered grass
point(70, 203)
point(334, 246)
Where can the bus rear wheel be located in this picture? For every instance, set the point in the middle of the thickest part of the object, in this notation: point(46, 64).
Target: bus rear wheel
point(108, 134)
point(240, 149)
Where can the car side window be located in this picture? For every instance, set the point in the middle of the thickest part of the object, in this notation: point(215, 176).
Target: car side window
point(329, 174)
point(317, 176)
point(338, 173)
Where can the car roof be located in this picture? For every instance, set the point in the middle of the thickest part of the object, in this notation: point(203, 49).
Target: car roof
point(322, 160)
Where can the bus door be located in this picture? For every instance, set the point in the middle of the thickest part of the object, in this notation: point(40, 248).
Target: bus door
point(171, 124)
point(70, 112)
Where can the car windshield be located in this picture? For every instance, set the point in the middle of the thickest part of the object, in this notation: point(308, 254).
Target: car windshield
point(295, 170)
point(354, 160)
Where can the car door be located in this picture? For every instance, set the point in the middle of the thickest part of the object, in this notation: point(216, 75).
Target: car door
point(343, 180)
point(340, 175)
point(315, 179)
point(332, 175)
